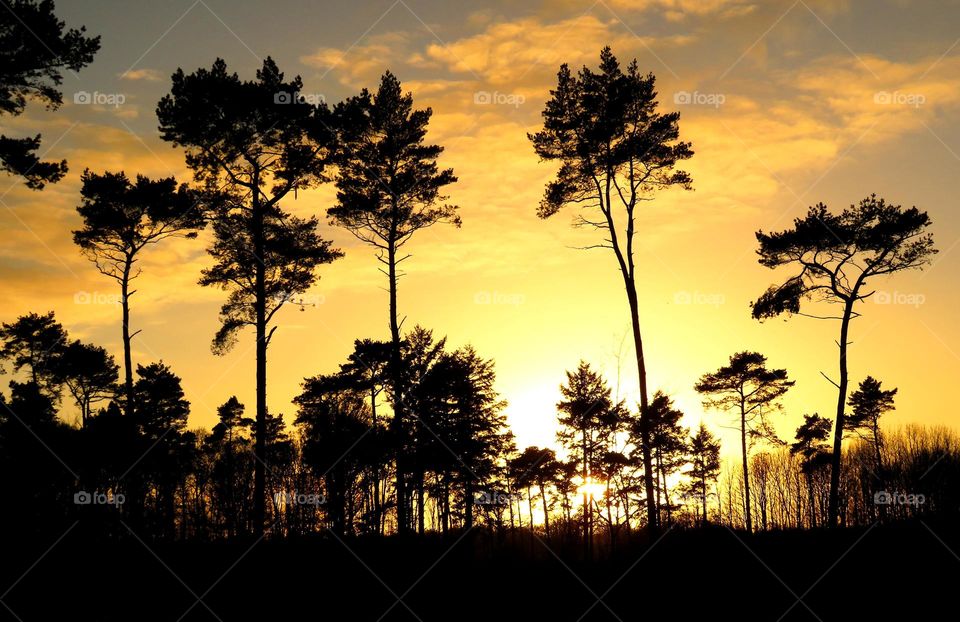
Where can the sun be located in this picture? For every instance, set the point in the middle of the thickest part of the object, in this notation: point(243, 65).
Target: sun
point(590, 487)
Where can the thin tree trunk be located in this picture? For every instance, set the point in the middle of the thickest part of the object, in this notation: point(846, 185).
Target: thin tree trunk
point(127, 358)
point(703, 484)
point(468, 503)
point(746, 470)
point(546, 511)
point(652, 519)
point(260, 304)
point(397, 378)
point(530, 507)
point(421, 503)
point(834, 504)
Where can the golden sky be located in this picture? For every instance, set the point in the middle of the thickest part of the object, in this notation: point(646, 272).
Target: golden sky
point(786, 103)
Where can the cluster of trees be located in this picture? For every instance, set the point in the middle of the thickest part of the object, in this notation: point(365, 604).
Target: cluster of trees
point(335, 467)
point(407, 435)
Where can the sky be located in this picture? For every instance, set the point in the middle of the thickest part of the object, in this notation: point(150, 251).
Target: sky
point(787, 104)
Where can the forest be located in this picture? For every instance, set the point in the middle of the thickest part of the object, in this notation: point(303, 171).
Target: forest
point(404, 451)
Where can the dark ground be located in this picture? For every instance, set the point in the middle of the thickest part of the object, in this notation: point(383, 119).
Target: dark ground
point(882, 573)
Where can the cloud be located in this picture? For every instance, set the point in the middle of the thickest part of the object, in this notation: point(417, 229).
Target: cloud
point(361, 64)
point(509, 52)
point(148, 75)
point(677, 10)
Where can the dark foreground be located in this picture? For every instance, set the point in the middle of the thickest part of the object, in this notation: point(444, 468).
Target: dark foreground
point(879, 573)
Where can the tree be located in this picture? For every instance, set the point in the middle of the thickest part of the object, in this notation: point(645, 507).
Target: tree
point(869, 402)
point(36, 50)
point(811, 445)
point(588, 420)
point(90, 375)
point(366, 370)
point(535, 466)
point(460, 429)
point(615, 151)
point(335, 420)
point(241, 142)
point(667, 441)
point(388, 188)
point(704, 451)
point(160, 412)
point(36, 342)
point(229, 448)
point(751, 391)
point(120, 219)
point(837, 254)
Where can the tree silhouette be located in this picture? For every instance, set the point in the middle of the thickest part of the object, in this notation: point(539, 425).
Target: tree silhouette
point(462, 421)
point(811, 445)
point(388, 188)
point(160, 412)
point(747, 388)
point(366, 369)
point(704, 451)
point(837, 254)
point(257, 141)
point(869, 402)
point(90, 375)
point(36, 50)
point(335, 419)
point(229, 448)
point(615, 151)
point(120, 219)
point(36, 342)
point(536, 466)
point(588, 420)
point(668, 440)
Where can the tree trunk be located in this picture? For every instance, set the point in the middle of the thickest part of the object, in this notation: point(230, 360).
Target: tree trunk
point(127, 358)
point(421, 503)
point(397, 378)
point(746, 471)
point(834, 504)
point(530, 506)
point(468, 503)
point(652, 522)
point(703, 484)
point(587, 510)
point(546, 511)
point(260, 305)
point(445, 517)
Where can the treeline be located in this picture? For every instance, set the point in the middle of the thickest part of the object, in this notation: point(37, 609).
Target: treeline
point(409, 435)
point(335, 467)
